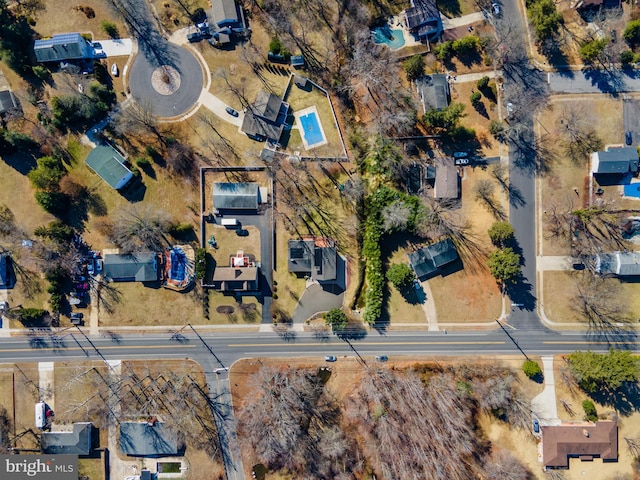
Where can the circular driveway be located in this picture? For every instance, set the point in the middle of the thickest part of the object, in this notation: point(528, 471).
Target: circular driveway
point(181, 95)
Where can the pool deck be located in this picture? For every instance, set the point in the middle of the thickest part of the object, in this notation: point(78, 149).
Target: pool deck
point(298, 125)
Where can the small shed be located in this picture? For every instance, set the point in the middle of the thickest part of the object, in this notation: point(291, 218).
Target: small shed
point(297, 61)
point(108, 164)
point(300, 81)
point(8, 101)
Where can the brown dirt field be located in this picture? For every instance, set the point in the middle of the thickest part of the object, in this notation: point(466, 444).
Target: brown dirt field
point(557, 185)
point(628, 427)
point(62, 17)
point(143, 306)
point(460, 93)
point(559, 288)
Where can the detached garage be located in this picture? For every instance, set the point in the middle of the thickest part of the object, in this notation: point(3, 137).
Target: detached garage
point(109, 165)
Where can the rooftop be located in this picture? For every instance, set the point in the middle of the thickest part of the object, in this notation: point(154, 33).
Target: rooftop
point(579, 440)
point(433, 91)
point(447, 185)
point(135, 267)
point(66, 46)
point(622, 264)
point(427, 261)
point(142, 439)
point(224, 12)
point(107, 162)
point(423, 18)
point(235, 278)
point(264, 119)
point(615, 161)
point(7, 101)
point(75, 442)
point(314, 256)
point(235, 196)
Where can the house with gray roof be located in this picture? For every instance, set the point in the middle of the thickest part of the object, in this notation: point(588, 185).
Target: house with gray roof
point(615, 161)
point(619, 264)
point(428, 261)
point(447, 181)
point(149, 439)
point(423, 20)
point(66, 46)
point(78, 441)
point(134, 267)
point(265, 118)
point(236, 196)
point(225, 14)
point(433, 91)
point(314, 257)
point(108, 164)
point(8, 102)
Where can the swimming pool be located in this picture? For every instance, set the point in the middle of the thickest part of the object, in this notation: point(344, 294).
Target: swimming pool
point(632, 190)
point(178, 265)
point(311, 129)
point(394, 39)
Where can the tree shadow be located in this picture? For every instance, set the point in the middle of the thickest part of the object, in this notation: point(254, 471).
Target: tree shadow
point(521, 293)
point(609, 81)
point(481, 109)
point(626, 399)
point(22, 162)
point(451, 8)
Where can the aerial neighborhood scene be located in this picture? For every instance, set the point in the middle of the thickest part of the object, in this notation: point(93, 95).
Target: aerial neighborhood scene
point(282, 240)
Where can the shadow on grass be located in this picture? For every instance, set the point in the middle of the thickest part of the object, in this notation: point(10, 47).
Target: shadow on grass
point(626, 400)
point(451, 8)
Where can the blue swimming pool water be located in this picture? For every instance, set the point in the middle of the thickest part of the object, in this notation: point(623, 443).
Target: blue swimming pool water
point(632, 190)
point(311, 128)
point(393, 38)
point(178, 265)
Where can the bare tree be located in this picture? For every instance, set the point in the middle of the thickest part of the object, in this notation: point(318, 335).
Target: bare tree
point(395, 216)
point(138, 118)
point(579, 137)
point(504, 466)
point(601, 304)
point(138, 228)
point(484, 191)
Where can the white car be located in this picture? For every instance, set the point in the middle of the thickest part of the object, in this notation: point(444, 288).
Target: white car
point(496, 8)
point(510, 107)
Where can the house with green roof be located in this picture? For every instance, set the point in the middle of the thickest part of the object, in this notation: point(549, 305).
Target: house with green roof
point(429, 261)
point(109, 165)
point(66, 46)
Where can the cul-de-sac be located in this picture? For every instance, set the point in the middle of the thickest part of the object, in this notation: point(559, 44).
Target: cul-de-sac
point(320, 240)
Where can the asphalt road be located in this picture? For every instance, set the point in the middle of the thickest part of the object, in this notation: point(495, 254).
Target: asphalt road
point(221, 350)
point(184, 98)
point(631, 117)
point(593, 81)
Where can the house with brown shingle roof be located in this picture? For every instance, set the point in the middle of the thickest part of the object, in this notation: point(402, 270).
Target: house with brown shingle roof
point(585, 441)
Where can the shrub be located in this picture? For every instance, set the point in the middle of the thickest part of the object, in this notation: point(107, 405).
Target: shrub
point(109, 28)
point(89, 12)
point(143, 162)
point(443, 50)
point(632, 32)
point(590, 410)
point(591, 51)
point(475, 98)
point(466, 45)
point(626, 57)
point(31, 315)
point(199, 15)
point(275, 46)
point(504, 265)
point(31, 21)
point(56, 302)
point(336, 318)
point(414, 67)
point(496, 128)
point(55, 203)
point(531, 369)
point(180, 229)
point(501, 233)
point(201, 263)
point(400, 275)
point(482, 83)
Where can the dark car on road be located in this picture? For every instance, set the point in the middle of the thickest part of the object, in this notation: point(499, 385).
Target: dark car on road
point(628, 138)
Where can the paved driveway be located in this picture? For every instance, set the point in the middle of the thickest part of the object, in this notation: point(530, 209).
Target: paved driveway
point(191, 82)
point(631, 116)
point(117, 48)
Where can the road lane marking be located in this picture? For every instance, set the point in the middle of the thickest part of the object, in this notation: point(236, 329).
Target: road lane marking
point(359, 344)
point(89, 347)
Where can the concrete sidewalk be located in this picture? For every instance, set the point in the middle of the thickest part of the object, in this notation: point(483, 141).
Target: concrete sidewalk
point(449, 23)
point(544, 406)
point(217, 106)
point(554, 263)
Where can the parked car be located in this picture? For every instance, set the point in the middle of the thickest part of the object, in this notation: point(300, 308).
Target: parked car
point(460, 154)
point(76, 315)
point(241, 232)
point(331, 358)
point(460, 161)
point(79, 278)
point(628, 138)
point(382, 358)
point(496, 9)
point(194, 37)
point(98, 266)
point(536, 426)
point(91, 270)
point(231, 111)
point(82, 287)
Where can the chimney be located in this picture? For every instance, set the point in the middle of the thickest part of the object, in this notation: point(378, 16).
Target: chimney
point(585, 432)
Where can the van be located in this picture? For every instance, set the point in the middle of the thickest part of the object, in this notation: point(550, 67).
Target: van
point(229, 222)
point(41, 415)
